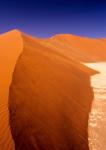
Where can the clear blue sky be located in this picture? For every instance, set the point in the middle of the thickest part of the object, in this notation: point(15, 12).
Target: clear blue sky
point(44, 18)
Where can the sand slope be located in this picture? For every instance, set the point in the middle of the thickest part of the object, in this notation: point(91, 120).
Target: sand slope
point(78, 48)
point(50, 100)
point(11, 46)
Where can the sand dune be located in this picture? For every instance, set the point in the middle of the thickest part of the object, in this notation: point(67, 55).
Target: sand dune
point(49, 100)
point(78, 48)
point(49, 97)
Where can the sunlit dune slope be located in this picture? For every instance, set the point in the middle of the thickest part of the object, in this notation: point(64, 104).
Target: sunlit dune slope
point(49, 100)
point(78, 48)
point(11, 46)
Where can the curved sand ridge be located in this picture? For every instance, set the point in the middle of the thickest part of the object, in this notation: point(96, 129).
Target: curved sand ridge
point(11, 46)
point(50, 100)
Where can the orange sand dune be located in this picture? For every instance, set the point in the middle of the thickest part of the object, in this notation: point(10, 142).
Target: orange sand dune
point(78, 48)
point(49, 100)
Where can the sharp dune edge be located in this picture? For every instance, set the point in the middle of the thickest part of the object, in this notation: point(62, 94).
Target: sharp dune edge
point(50, 96)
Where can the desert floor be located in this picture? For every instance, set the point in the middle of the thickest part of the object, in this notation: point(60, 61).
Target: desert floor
point(97, 119)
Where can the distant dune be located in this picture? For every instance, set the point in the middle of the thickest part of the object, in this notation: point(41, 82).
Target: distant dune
point(50, 96)
point(79, 48)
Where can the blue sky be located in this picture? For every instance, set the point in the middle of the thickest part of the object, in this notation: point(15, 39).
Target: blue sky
point(44, 18)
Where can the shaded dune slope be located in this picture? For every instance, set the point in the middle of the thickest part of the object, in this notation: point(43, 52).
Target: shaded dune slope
point(49, 100)
point(78, 48)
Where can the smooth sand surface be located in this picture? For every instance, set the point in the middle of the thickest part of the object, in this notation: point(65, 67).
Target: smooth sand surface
point(11, 46)
point(50, 100)
point(80, 48)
